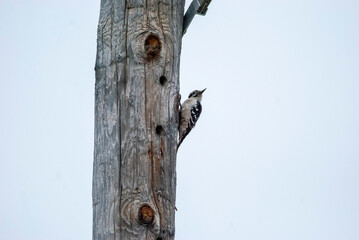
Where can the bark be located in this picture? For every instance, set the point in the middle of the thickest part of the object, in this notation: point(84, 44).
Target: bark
point(136, 119)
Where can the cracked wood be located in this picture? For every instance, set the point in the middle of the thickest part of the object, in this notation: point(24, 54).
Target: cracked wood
point(136, 119)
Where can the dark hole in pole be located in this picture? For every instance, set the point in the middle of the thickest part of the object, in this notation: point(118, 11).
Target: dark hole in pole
point(159, 130)
point(163, 80)
point(146, 215)
point(152, 47)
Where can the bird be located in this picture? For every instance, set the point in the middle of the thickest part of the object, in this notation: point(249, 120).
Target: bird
point(190, 111)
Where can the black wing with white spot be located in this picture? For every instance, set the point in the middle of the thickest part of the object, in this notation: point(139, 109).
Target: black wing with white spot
point(195, 113)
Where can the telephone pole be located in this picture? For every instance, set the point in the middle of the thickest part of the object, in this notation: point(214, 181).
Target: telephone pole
point(136, 119)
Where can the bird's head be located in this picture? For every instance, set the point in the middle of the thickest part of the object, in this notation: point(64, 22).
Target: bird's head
point(197, 94)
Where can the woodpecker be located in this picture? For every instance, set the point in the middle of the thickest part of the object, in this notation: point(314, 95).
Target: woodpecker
point(189, 113)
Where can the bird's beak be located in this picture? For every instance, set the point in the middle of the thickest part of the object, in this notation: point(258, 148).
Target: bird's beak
point(203, 90)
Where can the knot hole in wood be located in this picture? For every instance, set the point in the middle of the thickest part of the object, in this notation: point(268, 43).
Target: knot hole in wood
point(152, 47)
point(146, 215)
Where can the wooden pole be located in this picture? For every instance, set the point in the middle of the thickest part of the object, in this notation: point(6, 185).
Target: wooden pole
point(136, 119)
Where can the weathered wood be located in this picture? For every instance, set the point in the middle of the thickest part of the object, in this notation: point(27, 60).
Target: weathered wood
point(136, 119)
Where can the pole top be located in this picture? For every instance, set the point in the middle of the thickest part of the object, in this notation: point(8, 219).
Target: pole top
point(199, 7)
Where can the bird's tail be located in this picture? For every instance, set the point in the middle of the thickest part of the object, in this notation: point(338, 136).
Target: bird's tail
point(181, 139)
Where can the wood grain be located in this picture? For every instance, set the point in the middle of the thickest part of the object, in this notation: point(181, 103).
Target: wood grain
point(136, 119)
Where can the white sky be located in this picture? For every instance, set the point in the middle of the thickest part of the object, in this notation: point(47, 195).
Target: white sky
point(275, 154)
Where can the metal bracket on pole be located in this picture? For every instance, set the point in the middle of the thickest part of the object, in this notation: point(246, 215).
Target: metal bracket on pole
point(199, 7)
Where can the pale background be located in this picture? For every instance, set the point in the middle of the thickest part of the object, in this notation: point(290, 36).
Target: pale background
point(275, 154)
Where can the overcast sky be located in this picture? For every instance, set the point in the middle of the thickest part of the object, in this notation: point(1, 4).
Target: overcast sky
point(275, 154)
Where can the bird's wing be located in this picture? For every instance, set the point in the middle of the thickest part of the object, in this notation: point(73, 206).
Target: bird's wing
point(195, 113)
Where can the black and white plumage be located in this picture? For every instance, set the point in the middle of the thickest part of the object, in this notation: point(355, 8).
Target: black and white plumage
point(189, 113)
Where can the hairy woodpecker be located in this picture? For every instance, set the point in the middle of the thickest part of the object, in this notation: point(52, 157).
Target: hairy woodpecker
point(189, 113)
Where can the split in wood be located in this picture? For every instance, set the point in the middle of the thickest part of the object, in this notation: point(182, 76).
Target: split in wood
point(152, 47)
point(146, 215)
